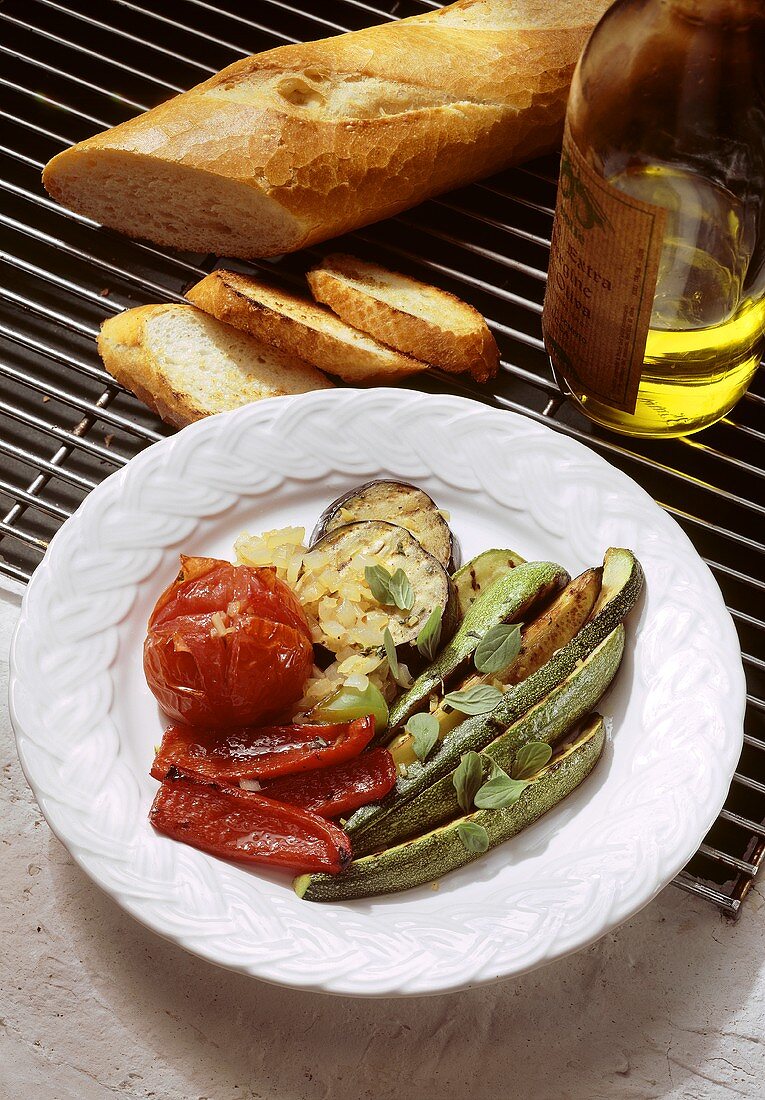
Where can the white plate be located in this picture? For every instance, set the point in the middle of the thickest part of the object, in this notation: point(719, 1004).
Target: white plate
point(86, 722)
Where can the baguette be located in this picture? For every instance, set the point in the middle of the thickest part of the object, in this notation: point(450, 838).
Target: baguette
point(408, 315)
point(307, 141)
point(185, 365)
point(300, 327)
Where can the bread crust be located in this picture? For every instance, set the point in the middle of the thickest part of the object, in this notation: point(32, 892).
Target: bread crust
point(472, 350)
point(470, 89)
point(234, 298)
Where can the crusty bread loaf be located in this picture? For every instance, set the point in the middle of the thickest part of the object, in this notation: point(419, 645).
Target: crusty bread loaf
point(300, 327)
point(413, 317)
point(307, 141)
point(185, 365)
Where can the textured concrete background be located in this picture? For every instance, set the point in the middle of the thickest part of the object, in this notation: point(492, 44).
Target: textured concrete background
point(92, 1005)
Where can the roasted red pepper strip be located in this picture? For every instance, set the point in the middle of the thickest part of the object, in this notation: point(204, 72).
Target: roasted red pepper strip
point(338, 790)
point(245, 826)
point(260, 753)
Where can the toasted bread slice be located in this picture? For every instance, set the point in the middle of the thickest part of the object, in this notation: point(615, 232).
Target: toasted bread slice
point(185, 365)
point(300, 327)
point(413, 317)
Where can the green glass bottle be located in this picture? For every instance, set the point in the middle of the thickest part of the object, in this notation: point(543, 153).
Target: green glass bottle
point(655, 307)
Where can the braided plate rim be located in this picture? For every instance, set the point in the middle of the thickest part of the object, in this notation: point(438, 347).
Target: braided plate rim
point(583, 869)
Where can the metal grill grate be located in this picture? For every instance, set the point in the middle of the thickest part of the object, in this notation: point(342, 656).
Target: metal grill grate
point(69, 70)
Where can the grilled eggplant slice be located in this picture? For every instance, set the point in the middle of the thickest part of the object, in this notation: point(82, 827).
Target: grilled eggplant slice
point(353, 544)
point(395, 502)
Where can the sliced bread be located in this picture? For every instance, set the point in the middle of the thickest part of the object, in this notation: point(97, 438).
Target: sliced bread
point(410, 316)
point(185, 365)
point(300, 327)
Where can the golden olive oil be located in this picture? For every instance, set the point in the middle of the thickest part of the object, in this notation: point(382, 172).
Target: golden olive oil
point(654, 315)
point(705, 336)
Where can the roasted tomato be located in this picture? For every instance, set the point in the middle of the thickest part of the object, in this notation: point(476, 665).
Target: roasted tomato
point(227, 645)
point(245, 826)
point(259, 753)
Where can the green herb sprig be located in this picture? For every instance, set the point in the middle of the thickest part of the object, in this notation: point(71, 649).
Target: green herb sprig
point(390, 589)
point(473, 836)
point(531, 759)
point(399, 673)
point(502, 790)
point(467, 779)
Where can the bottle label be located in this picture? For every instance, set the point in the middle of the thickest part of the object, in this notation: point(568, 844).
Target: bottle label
point(604, 262)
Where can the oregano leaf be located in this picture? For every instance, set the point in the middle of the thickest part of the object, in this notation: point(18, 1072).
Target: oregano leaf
point(479, 699)
point(397, 672)
point(430, 635)
point(402, 591)
point(530, 759)
point(473, 836)
point(499, 791)
point(467, 778)
point(498, 648)
point(424, 730)
point(390, 589)
point(378, 579)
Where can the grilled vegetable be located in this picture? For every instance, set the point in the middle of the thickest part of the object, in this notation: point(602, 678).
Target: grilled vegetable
point(331, 792)
point(245, 826)
point(550, 631)
point(436, 853)
point(620, 588)
point(226, 646)
point(555, 627)
point(396, 550)
point(508, 599)
point(548, 721)
point(396, 502)
point(480, 572)
point(347, 703)
point(259, 753)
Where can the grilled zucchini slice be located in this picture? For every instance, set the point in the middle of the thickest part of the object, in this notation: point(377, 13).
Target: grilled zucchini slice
point(621, 585)
point(482, 571)
point(506, 600)
point(548, 721)
point(548, 632)
point(436, 853)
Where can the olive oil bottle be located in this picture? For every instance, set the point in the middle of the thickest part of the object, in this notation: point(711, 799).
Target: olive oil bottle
point(654, 315)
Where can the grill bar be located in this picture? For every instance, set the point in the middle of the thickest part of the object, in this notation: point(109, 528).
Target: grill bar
point(141, 42)
point(19, 494)
point(66, 423)
point(81, 254)
point(47, 466)
point(87, 52)
point(76, 402)
point(37, 64)
point(69, 215)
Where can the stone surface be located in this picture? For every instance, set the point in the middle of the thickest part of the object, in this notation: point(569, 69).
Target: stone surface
point(92, 1005)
